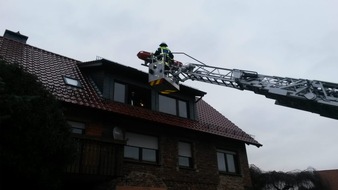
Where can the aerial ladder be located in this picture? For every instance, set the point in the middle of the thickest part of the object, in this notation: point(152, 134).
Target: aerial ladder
point(309, 95)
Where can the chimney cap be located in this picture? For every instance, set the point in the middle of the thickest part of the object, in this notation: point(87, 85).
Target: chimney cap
point(16, 36)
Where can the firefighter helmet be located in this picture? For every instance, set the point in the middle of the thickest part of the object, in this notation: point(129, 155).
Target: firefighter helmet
point(163, 44)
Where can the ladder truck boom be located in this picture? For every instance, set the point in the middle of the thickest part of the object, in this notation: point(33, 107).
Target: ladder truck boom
point(309, 95)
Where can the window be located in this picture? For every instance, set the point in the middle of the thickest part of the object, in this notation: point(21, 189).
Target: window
point(182, 109)
point(227, 161)
point(138, 96)
point(77, 127)
point(72, 82)
point(119, 92)
point(167, 105)
point(184, 155)
point(141, 147)
point(173, 106)
point(132, 94)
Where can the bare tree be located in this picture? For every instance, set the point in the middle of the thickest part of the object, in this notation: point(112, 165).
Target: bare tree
point(294, 180)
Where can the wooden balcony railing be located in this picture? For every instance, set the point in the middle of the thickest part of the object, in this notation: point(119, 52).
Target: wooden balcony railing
point(95, 156)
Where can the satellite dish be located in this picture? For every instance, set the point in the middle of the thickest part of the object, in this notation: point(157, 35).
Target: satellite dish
point(117, 133)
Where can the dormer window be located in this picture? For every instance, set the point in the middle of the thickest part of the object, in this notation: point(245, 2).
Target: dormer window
point(72, 82)
point(173, 106)
point(119, 92)
point(131, 94)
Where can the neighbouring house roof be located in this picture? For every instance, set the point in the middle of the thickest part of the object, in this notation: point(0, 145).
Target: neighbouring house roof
point(330, 178)
point(51, 68)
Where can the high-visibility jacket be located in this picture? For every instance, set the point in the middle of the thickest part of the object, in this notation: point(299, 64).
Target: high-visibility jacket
point(164, 51)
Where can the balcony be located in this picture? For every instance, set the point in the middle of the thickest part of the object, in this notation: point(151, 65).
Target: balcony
point(97, 157)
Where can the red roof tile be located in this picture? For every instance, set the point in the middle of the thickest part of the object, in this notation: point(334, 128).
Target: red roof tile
point(50, 68)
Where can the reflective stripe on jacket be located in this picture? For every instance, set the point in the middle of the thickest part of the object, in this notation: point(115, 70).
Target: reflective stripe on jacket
point(165, 50)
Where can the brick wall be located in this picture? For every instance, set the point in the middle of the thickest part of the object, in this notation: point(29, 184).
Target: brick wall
point(167, 174)
point(204, 175)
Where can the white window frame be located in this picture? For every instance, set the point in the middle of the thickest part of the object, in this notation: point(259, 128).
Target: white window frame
point(72, 81)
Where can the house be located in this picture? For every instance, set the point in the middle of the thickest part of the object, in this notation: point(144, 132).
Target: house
point(130, 136)
point(329, 178)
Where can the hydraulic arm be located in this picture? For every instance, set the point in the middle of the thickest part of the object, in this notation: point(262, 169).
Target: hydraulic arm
point(308, 95)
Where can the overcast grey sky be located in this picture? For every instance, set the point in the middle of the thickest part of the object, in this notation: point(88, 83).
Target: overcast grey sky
point(291, 38)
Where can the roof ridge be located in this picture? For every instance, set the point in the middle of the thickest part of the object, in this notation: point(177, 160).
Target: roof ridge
point(40, 49)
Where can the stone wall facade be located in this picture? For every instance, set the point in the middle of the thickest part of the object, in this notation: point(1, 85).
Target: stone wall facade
point(166, 174)
point(203, 176)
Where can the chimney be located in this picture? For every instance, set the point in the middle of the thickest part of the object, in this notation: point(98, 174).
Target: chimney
point(15, 36)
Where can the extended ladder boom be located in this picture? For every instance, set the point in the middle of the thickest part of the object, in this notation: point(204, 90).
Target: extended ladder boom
point(308, 95)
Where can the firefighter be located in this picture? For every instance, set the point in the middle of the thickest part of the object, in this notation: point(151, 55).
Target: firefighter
point(163, 52)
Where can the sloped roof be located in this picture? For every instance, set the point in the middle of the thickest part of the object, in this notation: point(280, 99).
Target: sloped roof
point(50, 68)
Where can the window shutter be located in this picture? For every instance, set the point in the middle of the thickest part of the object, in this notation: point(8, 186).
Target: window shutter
point(184, 149)
point(140, 140)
